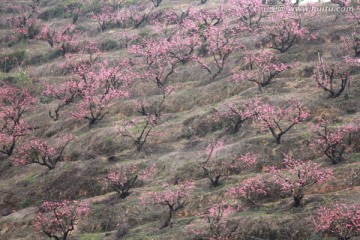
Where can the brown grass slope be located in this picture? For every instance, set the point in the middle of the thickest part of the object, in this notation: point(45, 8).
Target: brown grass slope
point(188, 128)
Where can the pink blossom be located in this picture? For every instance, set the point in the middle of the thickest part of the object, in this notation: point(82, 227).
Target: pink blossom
point(284, 29)
point(279, 120)
point(341, 220)
point(235, 114)
point(41, 152)
point(262, 68)
point(65, 38)
point(109, 14)
point(174, 197)
point(123, 179)
point(248, 12)
point(14, 104)
point(97, 85)
point(298, 176)
point(58, 219)
point(216, 221)
point(249, 190)
point(221, 41)
point(351, 43)
point(332, 143)
point(214, 169)
point(25, 18)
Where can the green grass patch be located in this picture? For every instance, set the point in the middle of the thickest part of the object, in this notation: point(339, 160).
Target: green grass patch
point(20, 78)
point(91, 236)
point(12, 60)
point(109, 45)
point(30, 178)
point(355, 157)
point(55, 12)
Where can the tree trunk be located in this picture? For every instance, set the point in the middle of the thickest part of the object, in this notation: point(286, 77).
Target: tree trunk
point(168, 219)
point(297, 200)
point(216, 181)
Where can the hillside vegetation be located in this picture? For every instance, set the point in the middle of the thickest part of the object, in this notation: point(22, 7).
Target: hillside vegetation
point(214, 119)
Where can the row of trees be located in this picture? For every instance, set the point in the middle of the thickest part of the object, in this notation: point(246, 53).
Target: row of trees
point(332, 142)
point(119, 13)
point(58, 219)
point(340, 221)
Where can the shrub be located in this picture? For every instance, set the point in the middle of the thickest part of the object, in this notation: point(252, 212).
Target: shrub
point(56, 12)
point(109, 45)
point(236, 113)
point(43, 58)
point(216, 220)
point(249, 190)
point(8, 62)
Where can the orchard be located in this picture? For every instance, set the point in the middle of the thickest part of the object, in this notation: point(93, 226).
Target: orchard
point(194, 119)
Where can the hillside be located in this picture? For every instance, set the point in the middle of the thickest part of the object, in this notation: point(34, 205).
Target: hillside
point(179, 100)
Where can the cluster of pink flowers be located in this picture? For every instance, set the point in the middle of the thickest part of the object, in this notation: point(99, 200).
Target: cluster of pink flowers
point(97, 85)
point(40, 151)
point(216, 224)
point(214, 169)
point(285, 29)
point(341, 220)
point(154, 60)
point(14, 104)
point(25, 18)
point(123, 179)
point(140, 13)
point(249, 190)
point(298, 176)
point(274, 117)
point(65, 38)
point(173, 196)
point(221, 41)
point(333, 143)
point(248, 12)
point(261, 68)
point(58, 219)
point(109, 14)
point(180, 42)
point(352, 43)
point(208, 17)
point(235, 114)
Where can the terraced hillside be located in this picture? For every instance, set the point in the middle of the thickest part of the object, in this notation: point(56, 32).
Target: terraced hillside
point(192, 106)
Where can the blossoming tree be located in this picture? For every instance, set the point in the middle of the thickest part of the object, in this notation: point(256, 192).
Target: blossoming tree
point(173, 197)
point(298, 176)
point(58, 219)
